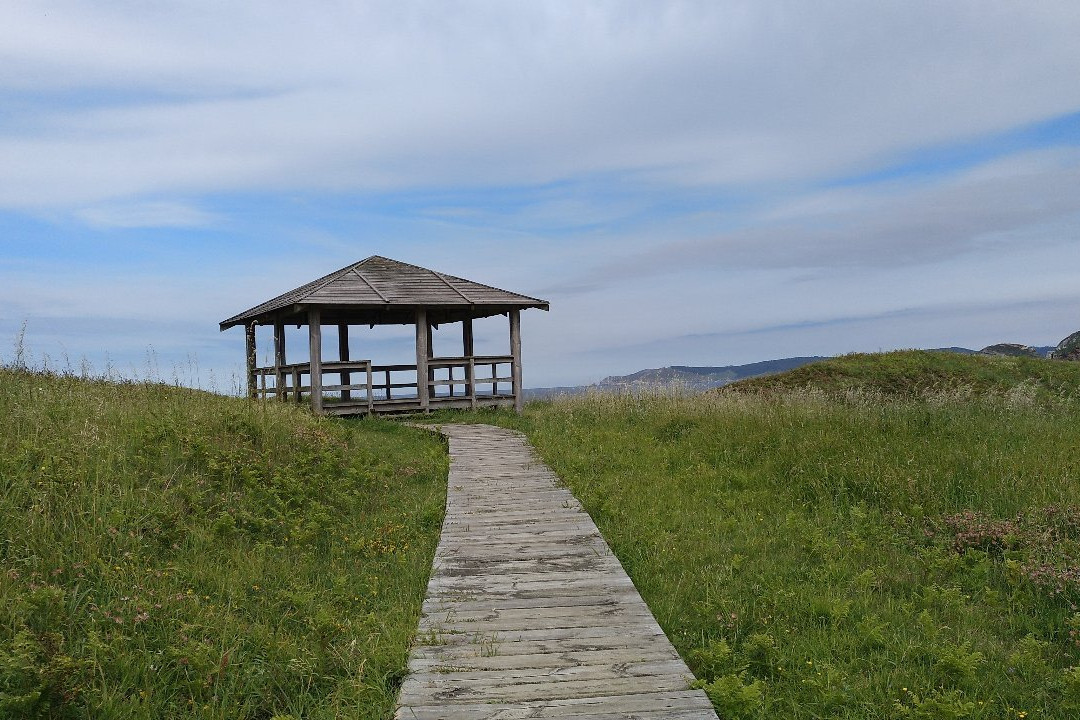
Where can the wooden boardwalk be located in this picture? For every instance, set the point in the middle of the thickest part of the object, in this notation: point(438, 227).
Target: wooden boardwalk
point(528, 613)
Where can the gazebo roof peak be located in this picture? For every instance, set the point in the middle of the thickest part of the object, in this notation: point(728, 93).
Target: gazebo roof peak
point(381, 284)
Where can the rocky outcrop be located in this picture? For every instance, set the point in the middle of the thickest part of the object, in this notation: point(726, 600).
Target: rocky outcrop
point(685, 377)
point(1011, 350)
point(1068, 349)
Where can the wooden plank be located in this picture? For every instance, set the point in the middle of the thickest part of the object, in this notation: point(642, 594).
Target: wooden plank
point(528, 613)
point(552, 599)
point(541, 659)
point(679, 705)
point(514, 690)
point(453, 653)
point(491, 711)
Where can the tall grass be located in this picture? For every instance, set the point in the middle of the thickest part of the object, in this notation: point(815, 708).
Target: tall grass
point(849, 554)
point(169, 553)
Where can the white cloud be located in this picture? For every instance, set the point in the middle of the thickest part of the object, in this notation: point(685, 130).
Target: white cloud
point(1015, 202)
point(150, 214)
point(209, 97)
point(134, 115)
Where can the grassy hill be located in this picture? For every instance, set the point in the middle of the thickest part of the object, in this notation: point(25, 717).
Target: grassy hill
point(897, 536)
point(892, 536)
point(166, 553)
point(913, 373)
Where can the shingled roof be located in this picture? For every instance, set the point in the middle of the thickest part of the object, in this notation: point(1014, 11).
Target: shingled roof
point(378, 288)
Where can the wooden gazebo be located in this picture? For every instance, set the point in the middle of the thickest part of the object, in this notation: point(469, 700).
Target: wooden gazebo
point(381, 291)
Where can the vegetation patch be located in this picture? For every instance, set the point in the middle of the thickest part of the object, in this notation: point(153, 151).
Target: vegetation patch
point(168, 553)
point(932, 375)
point(852, 551)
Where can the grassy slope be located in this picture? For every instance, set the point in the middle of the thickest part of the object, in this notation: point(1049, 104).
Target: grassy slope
point(846, 556)
point(912, 373)
point(167, 553)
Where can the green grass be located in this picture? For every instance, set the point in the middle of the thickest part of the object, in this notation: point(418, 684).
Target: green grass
point(885, 537)
point(914, 373)
point(860, 551)
point(167, 553)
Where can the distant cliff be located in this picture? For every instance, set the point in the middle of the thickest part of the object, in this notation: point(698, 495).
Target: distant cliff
point(1068, 349)
point(705, 378)
point(700, 378)
point(679, 376)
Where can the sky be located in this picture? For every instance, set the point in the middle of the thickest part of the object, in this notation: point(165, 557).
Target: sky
point(687, 183)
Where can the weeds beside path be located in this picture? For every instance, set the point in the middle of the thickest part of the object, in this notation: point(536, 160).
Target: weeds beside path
point(848, 556)
point(167, 553)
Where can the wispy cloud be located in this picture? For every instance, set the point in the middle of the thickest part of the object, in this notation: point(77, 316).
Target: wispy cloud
point(257, 96)
point(1019, 200)
point(150, 214)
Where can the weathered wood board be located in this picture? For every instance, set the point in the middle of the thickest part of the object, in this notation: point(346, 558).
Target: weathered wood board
point(528, 613)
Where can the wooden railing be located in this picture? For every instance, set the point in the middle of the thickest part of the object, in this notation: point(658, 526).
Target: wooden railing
point(360, 384)
point(443, 373)
point(289, 381)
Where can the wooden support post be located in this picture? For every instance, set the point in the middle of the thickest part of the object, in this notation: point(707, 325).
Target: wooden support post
point(515, 353)
point(315, 362)
point(430, 354)
point(467, 351)
point(370, 392)
point(249, 357)
point(470, 374)
point(343, 355)
point(423, 332)
point(279, 360)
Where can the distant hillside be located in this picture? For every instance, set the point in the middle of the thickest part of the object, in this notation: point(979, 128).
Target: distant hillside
point(1017, 350)
point(708, 378)
point(701, 378)
point(683, 376)
point(915, 372)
